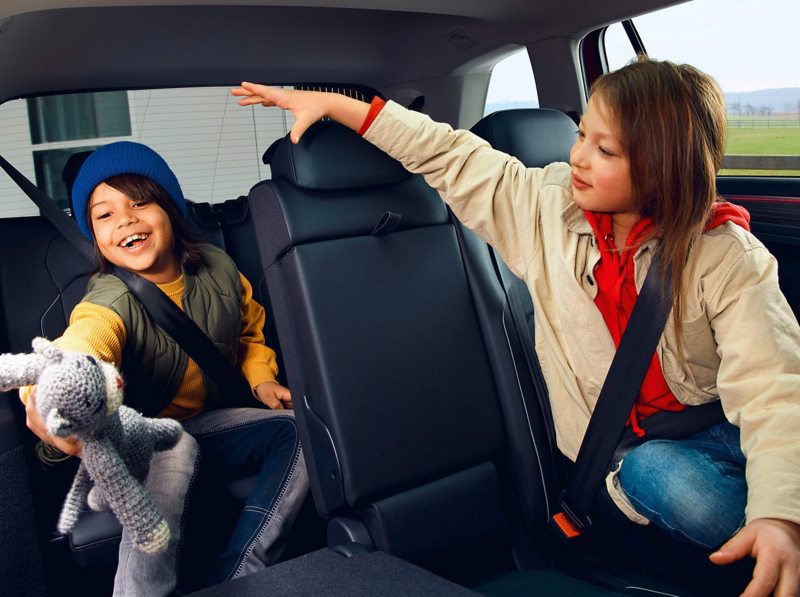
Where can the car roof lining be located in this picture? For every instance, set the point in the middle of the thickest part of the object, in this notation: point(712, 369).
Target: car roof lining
point(51, 46)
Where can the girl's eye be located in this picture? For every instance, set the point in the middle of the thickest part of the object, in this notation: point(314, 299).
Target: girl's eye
point(605, 152)
point(580, 133)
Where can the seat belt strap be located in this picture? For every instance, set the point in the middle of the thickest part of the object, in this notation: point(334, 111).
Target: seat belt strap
point(617, 397)
point(164, 313)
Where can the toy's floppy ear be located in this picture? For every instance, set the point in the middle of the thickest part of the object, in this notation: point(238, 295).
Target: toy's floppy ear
point(58, 426)
point(114, 387)
point(47, 349)
point(17, 370)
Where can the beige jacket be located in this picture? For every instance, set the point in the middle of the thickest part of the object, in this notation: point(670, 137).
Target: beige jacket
point(740, 338)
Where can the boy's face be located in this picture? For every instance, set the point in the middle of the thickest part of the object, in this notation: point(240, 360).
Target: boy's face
point(601, 176)
point(134, 234)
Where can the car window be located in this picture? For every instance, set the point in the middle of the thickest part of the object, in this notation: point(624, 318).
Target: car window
point(213, 145)
point(750, 49)
point(511, 85)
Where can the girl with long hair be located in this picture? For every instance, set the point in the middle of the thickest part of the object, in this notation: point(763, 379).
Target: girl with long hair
point(641, 181)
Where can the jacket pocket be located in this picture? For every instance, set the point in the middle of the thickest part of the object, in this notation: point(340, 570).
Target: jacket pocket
point(700, 350)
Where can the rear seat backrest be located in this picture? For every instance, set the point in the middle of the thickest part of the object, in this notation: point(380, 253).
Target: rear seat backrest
point(239, 239)
point(537, 138)
point(393, 386)
point(42, 278)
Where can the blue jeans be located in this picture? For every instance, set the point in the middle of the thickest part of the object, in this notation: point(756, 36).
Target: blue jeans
point(170, 481)
point(694, 488)
point(233, 442)
point(241, 441)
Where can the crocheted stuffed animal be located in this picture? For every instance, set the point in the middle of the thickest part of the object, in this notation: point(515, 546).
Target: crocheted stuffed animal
point(80, 396)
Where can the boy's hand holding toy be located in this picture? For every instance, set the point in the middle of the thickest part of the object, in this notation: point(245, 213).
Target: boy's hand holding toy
point(80, 397)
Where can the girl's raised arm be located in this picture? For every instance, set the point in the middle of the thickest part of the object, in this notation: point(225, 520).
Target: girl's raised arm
point(492, 193)
point(307, 106)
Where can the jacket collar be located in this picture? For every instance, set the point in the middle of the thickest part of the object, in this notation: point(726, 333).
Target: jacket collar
point(575, 220)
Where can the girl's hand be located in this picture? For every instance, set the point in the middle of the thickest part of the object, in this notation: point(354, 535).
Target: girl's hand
point(274, 395)
point(307, 106)
point(776, 546)
point(68, 445)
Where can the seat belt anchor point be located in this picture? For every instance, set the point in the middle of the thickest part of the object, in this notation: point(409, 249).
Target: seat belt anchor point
point(568, 525)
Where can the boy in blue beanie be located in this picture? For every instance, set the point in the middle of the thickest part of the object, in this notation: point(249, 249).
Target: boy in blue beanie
point(128, 201)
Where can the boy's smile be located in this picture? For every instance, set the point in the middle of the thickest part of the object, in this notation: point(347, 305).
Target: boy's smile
point(134, 234)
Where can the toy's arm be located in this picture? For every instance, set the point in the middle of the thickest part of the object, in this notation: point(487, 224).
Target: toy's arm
point(18, 370)
point(166, 433)
point(76, 498)
point(128, 499)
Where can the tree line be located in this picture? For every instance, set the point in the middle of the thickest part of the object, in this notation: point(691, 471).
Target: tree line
point(748, 109)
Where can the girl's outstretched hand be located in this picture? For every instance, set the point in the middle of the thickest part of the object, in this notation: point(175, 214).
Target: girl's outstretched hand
point(307, 106)
point(776, 546)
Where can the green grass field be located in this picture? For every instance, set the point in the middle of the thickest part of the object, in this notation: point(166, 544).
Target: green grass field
point(727, 172)
point(763, 141)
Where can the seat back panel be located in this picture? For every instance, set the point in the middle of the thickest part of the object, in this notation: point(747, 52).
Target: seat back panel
point(392, 352)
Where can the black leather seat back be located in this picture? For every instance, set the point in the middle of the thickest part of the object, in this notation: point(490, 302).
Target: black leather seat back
point(535, 136)
point(389, 370)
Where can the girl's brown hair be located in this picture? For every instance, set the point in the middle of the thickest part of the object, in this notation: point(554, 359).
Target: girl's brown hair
point(185, 240)
point(670, 121)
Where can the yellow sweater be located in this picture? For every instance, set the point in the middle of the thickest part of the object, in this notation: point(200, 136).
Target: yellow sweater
point(99, 331)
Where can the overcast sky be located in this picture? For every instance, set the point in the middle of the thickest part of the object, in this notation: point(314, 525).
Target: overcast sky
point(745, 46)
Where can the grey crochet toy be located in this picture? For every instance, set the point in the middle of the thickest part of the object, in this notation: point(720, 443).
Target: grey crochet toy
point(80, 396)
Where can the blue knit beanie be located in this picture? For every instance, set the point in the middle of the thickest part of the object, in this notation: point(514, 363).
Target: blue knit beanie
point(123, 157)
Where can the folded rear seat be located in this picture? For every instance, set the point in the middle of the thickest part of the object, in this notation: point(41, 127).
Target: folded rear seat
point(417, 414)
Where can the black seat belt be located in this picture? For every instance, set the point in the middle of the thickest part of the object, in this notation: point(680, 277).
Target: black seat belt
point(164, 313)
point(613, 407)
point(605, 434)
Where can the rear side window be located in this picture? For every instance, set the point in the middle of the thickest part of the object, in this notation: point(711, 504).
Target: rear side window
point(512, 85)
point(751, 50)
point(213, 145)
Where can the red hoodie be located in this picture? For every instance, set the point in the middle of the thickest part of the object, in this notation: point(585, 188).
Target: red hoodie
point(617, 295)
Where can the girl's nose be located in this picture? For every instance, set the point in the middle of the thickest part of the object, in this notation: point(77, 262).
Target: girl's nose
point(578, 155)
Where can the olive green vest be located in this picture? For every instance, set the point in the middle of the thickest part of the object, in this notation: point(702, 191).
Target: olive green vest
point(153, 364)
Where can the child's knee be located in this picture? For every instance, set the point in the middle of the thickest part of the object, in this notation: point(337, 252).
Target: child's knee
point(650, 473)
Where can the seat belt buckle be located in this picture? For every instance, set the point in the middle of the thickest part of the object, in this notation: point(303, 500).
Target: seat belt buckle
point(568, 525)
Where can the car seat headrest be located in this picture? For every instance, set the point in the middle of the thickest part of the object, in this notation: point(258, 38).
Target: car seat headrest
point(270, 153)
point(331, 157)
point(536, 137)
point(70, 173)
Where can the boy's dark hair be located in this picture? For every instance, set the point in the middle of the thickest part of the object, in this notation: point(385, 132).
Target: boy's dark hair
point(186, 240)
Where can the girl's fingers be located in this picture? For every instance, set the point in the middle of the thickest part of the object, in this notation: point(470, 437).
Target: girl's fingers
point(255, 99)
point(788, 585)
point(300, 127)
point(765, 577)
point(739, 546)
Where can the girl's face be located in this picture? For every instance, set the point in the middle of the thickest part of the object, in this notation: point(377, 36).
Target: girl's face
point(136, 235)
point(601, 176)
